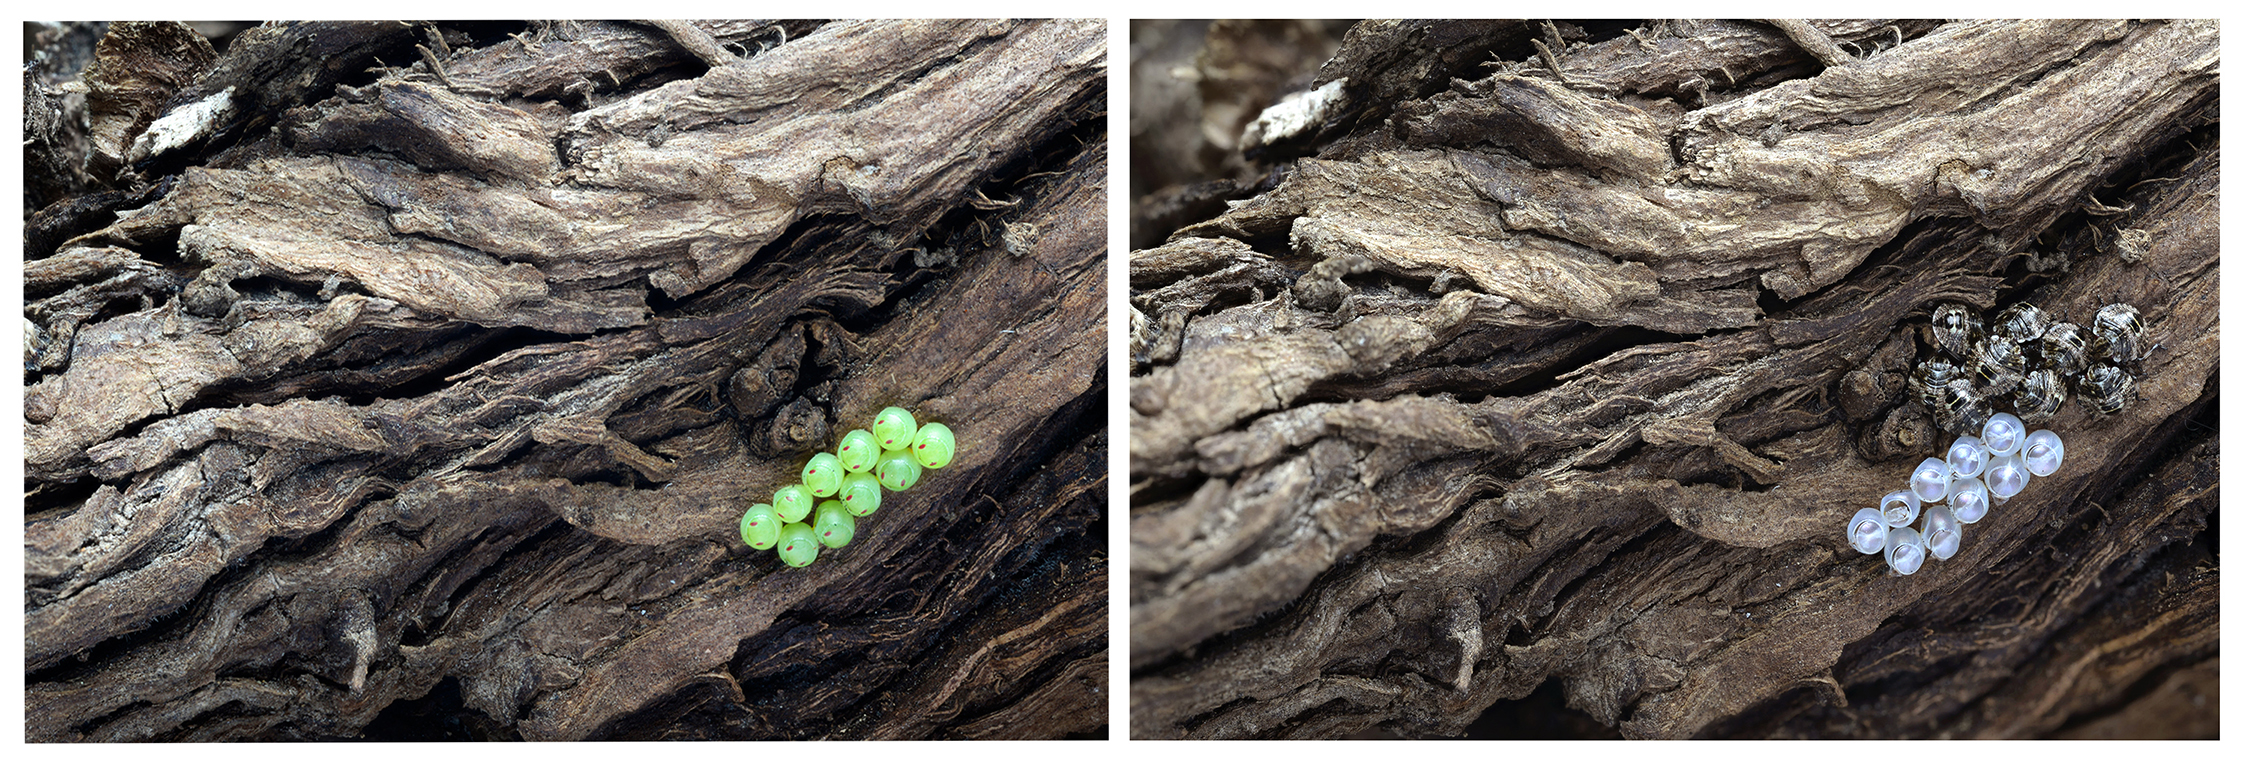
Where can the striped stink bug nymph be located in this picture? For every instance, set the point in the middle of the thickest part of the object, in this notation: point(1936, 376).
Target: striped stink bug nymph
point(2065, 348)
point(2118, 335)
point(2107, 387)
point(2022, 322)
point(1930, 378)
point(2000, 364)
point(1963, 411)
point(2041, 396)
point(1954, 329)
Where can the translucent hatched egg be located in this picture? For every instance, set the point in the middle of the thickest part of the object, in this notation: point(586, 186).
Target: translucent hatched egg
point(2006, 478)
point(1929, 480)
point(2003, 434)
point(2042, 453)
point(1900, 508)
point(1942, 532)
point(1867, 532)
point(1968, 500)
point(1905, 550)
point(1967, 457)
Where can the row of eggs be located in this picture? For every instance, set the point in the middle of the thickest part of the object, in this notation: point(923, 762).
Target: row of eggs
point(866, 462)
point(1975, 474)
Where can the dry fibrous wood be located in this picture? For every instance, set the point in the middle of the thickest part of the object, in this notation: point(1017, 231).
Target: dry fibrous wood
point(407, 381)
point(55, 124)
point(1549, 380)
point(1188, 128)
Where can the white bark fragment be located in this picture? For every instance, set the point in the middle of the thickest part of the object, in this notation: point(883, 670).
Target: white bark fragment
point(1293, 115)
point(182, 126)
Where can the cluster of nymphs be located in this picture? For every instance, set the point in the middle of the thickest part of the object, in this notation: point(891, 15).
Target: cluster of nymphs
point(891, 456)
point(2026, 360)
point(1975, 474)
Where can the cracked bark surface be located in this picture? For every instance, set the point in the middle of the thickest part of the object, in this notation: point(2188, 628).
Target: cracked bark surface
point(1549, 381)
point(408, 381)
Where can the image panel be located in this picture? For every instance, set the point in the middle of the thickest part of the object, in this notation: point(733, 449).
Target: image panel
point(566, 380)
point(1674, 379)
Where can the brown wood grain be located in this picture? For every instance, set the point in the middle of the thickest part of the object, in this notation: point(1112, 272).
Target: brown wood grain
point(423, 395)
point(1544, 384)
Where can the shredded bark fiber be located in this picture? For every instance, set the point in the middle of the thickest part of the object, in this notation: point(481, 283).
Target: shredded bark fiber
point(408, 382)
point(1548, 377)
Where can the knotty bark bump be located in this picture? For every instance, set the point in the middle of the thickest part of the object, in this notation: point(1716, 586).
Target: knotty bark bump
point(1547, 379)
point(412, 381)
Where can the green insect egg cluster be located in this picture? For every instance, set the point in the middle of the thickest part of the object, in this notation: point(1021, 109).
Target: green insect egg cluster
point(890, 454)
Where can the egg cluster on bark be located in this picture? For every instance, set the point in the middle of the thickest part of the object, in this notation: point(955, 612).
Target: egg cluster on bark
point(890, 456)
point(2023, 359)
point(1944, 494)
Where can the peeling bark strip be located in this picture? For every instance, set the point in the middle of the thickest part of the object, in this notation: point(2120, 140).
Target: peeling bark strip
point(399, 402)
point(1551, 382)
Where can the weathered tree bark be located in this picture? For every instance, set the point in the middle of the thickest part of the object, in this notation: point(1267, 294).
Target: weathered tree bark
point(1552, 381)
point(408, 381)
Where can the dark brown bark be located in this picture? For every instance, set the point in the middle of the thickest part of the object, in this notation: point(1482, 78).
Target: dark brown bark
point(1551, 383)
point(411, 380)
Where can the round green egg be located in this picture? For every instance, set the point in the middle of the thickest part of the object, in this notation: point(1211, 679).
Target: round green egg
point(798, 546)
point(858, 452)
point(792, 503)
point(894, 428)
point(823, 474)
point(761, 527)
point(861, 494)
point(834, 525)
point(933, 446)
point(897, 471)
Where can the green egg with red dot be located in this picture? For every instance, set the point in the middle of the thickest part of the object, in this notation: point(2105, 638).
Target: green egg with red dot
point(897, 471)
point(858, 452)
point(792, 503)
point(798, 546)
point(933, 446)
point(861, 494)
point(834, 525)
point(894, 428)
point(761, 527)
point(823, 474)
